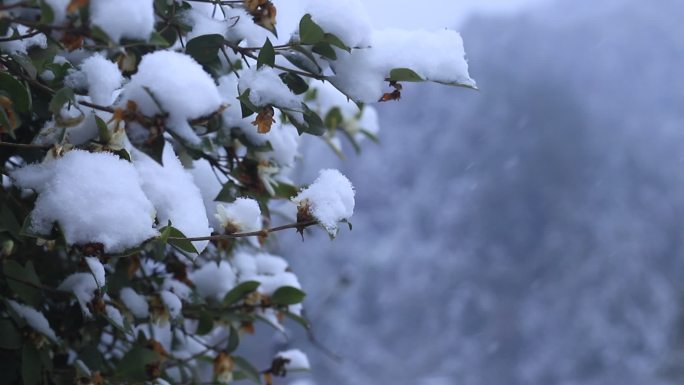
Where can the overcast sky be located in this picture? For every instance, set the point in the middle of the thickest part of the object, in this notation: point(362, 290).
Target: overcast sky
point(412, 14)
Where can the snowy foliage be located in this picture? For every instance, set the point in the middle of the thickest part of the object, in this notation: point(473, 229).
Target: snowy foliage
point(147, 158)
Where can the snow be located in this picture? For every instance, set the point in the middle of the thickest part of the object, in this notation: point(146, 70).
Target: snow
point(269, 270)
point(136, 303)
point(114, 315)
point(177, 287)
point(284, 140)
point(106, 187)
point(179, 85)
point(20, 46)
point(242, 215)
point(434, 55)
point(97, 269)
point(298, 359)
point(210, 182)
point(347, 20)
point(83, 286)
point(58, 10)
point(214, 280)
point(172, 302)
point(103, 77)
point(174, 194)
point(330, 199)
point(34, 319)
point(266, 88)
point(132, 19)
point(232, 115)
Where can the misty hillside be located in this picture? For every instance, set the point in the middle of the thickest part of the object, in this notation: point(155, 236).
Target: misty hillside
point(530, 233)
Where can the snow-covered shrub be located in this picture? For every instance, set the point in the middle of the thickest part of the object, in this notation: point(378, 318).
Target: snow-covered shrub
point(145, 148)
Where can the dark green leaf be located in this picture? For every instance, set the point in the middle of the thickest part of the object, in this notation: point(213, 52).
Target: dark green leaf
point(248, 369)
point(103, 130)
point(155, 149)
point(325, 50)
point(8, 222)
point(309, 31)
point(294, 82)
point(303, 322)
point(227, 193)
point(285, 190)
point(205, 324)
point(404, 75)
point(158, 40)
point(47, 15)
point(244, 99)
point(9, 335)
point(180, 242)
point(334, 40)
point(239, 292)
point(266, 55)
point(16, 278)
point(61, 97)
point(334, 118)
point(17, 92)
point(204, 48)
point(287, 295)
point(27, 64)
point(31, 366)
point(302, 58)
point(132, 365)
point(233, 340)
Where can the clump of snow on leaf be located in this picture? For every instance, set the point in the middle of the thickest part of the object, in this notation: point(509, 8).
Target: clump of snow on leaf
point(433, 55)
point(210, 182)
point(95, 198)
point(214, 280)
point(83, 286)
point(329, 199)
point(136, 303)
point(35, 319)
point(174, 194)
point(133, 19)
point(269, 270)
point(347, 20)
point(20, 46)
point(266, 88)
point(97, 269)
point(297, 359)
point(241, 215)
point(180, 86)
point(102, 78)
point(172, 303)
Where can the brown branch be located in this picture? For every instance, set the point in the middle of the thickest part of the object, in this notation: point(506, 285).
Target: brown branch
point(20, 37)
point(260, 233)
point(25, 145)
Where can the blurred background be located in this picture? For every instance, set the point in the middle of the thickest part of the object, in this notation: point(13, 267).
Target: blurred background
point(530, 233)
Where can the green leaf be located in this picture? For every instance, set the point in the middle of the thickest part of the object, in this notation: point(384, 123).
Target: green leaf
point(8, 222)
point(325, 50)
point(248, 369)
point(47, 15)
point(266, 55)
point(204, 48)
point(155, 149)
point(334, 118)
point(182, 244)
point(227, 193)
point(132, 365)
point(303, 322)
point(27, 64)
point(404, 75)
point(31, 366)
point(17, 92)
point(158, 40)
point(285, 190)
point(309, 31)
point(294, 82)
point(61, 97)
point(9, 335)
point(303, 59)
point(205, 324)
point(103, 130)
point(239, 292)
point(17, 275)
point(233, 340)
point(248, 108)
point(334, 40)
point(287, 295)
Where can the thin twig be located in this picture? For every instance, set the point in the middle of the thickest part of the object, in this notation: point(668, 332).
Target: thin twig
point(260, 233)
